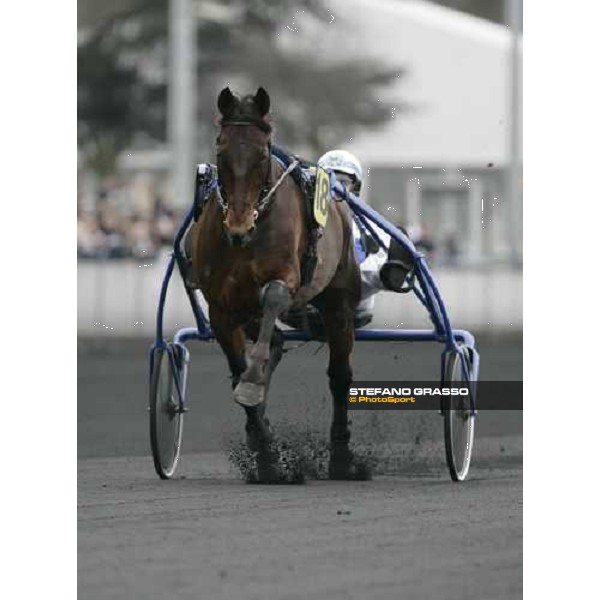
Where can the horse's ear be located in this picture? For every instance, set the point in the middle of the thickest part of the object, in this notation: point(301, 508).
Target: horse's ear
point(226, 102)
point(262, 101)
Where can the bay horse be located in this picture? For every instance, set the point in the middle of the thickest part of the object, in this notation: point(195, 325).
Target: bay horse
point(246, 260)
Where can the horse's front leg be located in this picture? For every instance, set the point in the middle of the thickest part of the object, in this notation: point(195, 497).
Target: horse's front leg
point(232, 340)
point(275, 300)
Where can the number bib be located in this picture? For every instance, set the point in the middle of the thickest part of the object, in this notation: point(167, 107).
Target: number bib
point(322, 197)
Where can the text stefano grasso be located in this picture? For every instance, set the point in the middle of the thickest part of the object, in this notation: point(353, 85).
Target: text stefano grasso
point(444, 391)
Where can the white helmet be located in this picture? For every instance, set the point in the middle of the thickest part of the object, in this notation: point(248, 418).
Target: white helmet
point(343, 161)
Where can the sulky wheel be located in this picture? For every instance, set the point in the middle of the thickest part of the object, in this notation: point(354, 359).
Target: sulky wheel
point(166, 415)
point(459, 420)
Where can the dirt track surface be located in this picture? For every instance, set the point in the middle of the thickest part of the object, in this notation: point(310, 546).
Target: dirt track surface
point(409, 533)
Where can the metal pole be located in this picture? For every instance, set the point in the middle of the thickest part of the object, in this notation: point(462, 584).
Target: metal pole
point(181, 100)
point(513, 11)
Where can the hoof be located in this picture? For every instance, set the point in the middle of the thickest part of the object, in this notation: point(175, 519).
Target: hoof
point(257, 466)
point(274, 468)
point(349, 472)
point(267, 467)
point(258, 435)
point(344, 466)
point(249, 394)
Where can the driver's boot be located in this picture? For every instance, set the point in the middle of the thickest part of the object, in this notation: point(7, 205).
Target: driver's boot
point(396, 269)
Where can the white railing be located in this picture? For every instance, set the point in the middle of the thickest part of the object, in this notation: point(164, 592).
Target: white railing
point(120, 298)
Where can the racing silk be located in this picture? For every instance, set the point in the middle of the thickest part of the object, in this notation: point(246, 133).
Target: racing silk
point(360, 251)
point(369, 264)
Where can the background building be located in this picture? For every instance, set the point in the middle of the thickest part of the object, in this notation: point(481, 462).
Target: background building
point(428, 97)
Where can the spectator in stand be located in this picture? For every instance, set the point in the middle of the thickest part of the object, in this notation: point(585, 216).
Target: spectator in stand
point(110, 234)
point(89, 236)
point(113, 226)
point(140, 240)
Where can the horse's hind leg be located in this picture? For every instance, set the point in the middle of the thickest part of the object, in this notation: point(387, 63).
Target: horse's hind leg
point(251, 390)
point(338, 315)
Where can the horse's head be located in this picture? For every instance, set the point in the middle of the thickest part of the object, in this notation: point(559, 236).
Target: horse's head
point(243, 158)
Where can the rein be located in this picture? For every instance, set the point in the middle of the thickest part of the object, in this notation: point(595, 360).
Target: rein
point(263, 204)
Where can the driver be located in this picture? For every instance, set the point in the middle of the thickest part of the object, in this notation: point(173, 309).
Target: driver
point(379, 269)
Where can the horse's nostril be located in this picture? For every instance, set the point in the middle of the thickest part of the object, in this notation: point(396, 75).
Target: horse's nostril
point(239, 240)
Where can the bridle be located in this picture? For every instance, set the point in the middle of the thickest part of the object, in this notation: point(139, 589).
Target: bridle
point(267, 191)
point(265, 128)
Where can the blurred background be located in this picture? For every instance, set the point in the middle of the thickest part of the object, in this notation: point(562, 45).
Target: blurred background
point(427, 94)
